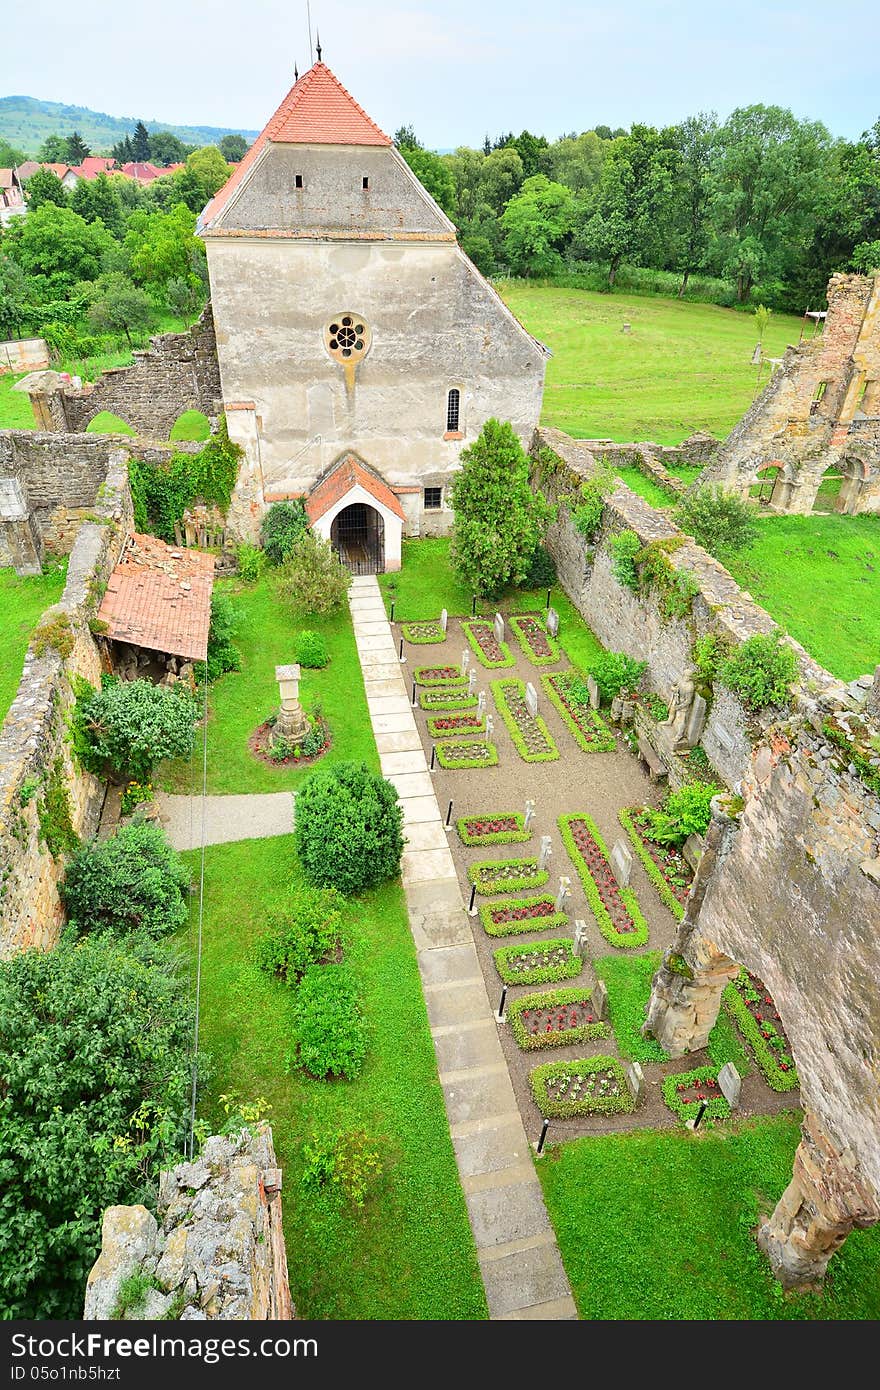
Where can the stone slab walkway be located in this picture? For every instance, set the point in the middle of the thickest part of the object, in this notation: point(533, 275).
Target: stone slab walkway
point(227, 818)
point(519, 1258)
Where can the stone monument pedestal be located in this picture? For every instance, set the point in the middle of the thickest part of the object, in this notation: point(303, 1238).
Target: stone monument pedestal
point(291, 722)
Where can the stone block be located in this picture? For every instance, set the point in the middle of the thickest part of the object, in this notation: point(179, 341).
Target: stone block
point(692, 850)
point(730, 1084)
point(552, 622)
point(696, 721)
point(599, 1000)
point(595, 697)
point(531, 700)
point(498, 627)
point(635, 1080)
point(622, 862)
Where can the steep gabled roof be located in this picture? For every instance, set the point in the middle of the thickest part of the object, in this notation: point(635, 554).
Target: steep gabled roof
point(349, 473)
point(317, 110)
point(159, 597)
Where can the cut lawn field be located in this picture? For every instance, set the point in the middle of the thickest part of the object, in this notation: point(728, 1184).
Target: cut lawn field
point(409, 1254)
point(657, 1225)
point(684, 366)
point(22, 601)
point(15, 406)
point(241, 700)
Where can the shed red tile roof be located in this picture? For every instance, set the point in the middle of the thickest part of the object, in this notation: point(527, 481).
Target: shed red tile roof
point(346, 475)
point(159, 597)
point(95, 164)
point(317, 110)
point(143, 172)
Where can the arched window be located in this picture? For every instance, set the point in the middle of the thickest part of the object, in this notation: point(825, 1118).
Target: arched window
point(453, 401)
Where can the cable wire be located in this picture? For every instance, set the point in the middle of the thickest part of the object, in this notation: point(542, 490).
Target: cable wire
point(201, 916)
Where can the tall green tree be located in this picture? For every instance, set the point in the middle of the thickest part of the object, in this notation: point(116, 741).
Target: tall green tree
point(847, 216)
point(57, 248)
point(140, 143)
point(77, 149)
point(501, 178)
point(97, 199)
point(123, 150)
point(433, 173)
point(577, 160)
point(53, 150)
point(120, 306)
point(43, 187)
point(166, 149)
point(233, 148)
point(534, 151)
point(692, 194)
point(210, 170)
point(13, 297)
point(500, 519)
point(537, 224)
point(632, 215)
point(405, 137)
point(163, 246)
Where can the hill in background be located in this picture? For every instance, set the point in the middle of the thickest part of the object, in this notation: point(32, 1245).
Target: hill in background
point(25, 122)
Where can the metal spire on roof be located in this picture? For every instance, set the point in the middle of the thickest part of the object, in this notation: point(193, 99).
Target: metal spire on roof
point(295, 71)
point(318, 44)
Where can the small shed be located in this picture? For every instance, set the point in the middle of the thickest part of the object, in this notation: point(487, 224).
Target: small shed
point(158, 599)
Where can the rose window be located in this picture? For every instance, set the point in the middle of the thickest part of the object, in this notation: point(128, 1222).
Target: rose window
point(347, 338)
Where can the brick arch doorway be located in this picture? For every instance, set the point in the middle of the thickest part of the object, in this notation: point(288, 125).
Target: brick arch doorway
point(357, 533)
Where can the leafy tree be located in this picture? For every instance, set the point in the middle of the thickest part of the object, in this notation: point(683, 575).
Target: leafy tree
point(537, 224)
point(44, 187)
point(95, 1044)
point(501, 177)
point(693, 138)
point(210, 170)
point(127, 727)
point(233, 148)
point(313, 578)
point(13, 297)
point(10, 155)
point(53, 150)
point(577, 160)
point(534, 151)
point(57, 246)
point(133, 881)
point(166, 149)
point(123, 150)
point(866, 257)
point(77, 149)
point(223, 654)
point(614, 673)
point(760, 671)
point(466, 166)
point(140, 143)
point(183, 297)
point(120, 306)
point(480, 250)
point(433, 173)
point(97, 200)
point(405, 138)
point(163, 246)
point(847, 216)
point(721, 522)
point(500, 519)
point(632, 213)
point(281, 528)
point(349, 828)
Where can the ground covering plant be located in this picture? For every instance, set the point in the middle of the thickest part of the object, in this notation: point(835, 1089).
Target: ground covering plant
point(510, 916)
point(541, 964)
point(466, 753)
point(423, 634)
point(348, 832)
point(534, 640)
point(481, 639)
point(437, 675)
point(531, 737)
point(684, 1092)
point(506, 875)
point(568, 693)
point(752, 1009)
point(453, 698)
point(671, 876)
point(456, 722)
point(554, 1019)
point(132, 881)
point(126, 728)
point(499, 828)
point(310, 933)
point(588, 1086)
point(327, 1028)
point(616, 910)
point(344, 1167)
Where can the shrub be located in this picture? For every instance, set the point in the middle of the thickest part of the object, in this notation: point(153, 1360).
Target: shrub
point(327, 1024)
point(344, 1166)
point(683, 813)
point(132, 882)
point(251, 561)
point(707, 654)
point(720, 521)
point(541, 571)
point(311, 935)
point(760, 671)
point(311, 650)
point(223, 655)
point(283, 525)
point(624, 547)
point(587, 513)
point(348, 828)
point(126, 728)
point(313, 577)
point(613, 672)
point(96, 1047)
point(163, 490)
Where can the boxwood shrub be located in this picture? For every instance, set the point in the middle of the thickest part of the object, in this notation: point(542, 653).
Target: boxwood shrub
point(348, 828)
point(545, 969)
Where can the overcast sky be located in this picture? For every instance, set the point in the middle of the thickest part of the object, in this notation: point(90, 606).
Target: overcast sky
point(454, 69)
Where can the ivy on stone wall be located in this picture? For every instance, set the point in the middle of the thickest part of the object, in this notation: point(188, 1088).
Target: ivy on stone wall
point(163, 491)
point(55, 815)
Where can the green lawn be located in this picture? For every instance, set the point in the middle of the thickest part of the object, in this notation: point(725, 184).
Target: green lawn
point(242, 700)
point(410, 1254)
point(657, 1225)
point(15, 406)
point(192, 424)
point(683, 367)
point(22, 601)
point(105, 422)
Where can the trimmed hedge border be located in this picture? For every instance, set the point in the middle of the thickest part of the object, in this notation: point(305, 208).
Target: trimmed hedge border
point(522, 639)
point(488, 757)
point(421, 679)
point(738, 1010)
point(500, 697)
point(621, 1104)
point(538, 974)
point(671, 901)
point(447, 699)
point(627, 941)
point(478, 728)
point(513, 884)
point(494, 837)
point(507, 655)
point(551, 999)
point(431, 632)
point(716, 1109)
point(604, 742)
point(525, 924)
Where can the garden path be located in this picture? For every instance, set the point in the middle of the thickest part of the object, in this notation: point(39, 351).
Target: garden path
point(226, 818)
point(516, 1246)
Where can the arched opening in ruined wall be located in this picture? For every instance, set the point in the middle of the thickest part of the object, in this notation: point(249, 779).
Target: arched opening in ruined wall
point(358, 535)
point(772, 486)
point(191, 425)
point(105, 422)
point(839, 488)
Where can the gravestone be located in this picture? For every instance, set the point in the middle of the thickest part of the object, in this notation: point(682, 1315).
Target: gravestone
point(490, 726)
point(444, 618)
point(730, 1084)
point(564, 892)
point(599, 1000)
point(635, 1080)
point(481, 698)
point(498, 627)
point(472, 681)
point(595, 697)
point(696, 721)
point(626, 328)
point(692, 850)
point(531, 700)
point(552, 622)
point(621, 862)
point(530, 814)
point(465, 659)
point(580, 937)
point(544, 852)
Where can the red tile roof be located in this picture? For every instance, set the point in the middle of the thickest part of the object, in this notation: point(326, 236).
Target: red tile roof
point(317, 110)
point(347, 474)
point(93, 165)
point(160, 598)
point(143, 172)
point(5, 178)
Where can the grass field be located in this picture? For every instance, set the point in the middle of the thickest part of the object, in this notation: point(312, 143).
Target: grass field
point(683, 367)
point(22, 601)
point(410, 1253)
point(15, 407)
point(657, 1225)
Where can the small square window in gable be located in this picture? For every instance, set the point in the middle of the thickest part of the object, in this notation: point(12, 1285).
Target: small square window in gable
point(366, 181)
point(433, 498)
point(297, 180)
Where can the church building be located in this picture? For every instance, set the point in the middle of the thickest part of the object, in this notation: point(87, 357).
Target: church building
point(360, 350)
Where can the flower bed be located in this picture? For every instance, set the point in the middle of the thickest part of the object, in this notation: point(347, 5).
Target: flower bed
point(555, 1019)
point(420, 634)
point(506, 828)
point(531, 737)
point(520, 915)
point(452, 697)
point(540, 964)
point(438, 675)
point(535, 640)
point(475, 752)
point(616, 910)
point(488, 650)
point(589, 1086)
point(586, 725)
point(752, 1009)
point(506, 875)
point(441, 726)
point(667, 869)
point(685, 1092)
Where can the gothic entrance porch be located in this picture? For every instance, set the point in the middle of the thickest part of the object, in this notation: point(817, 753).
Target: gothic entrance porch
point(357, 534)
point(354, 509)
